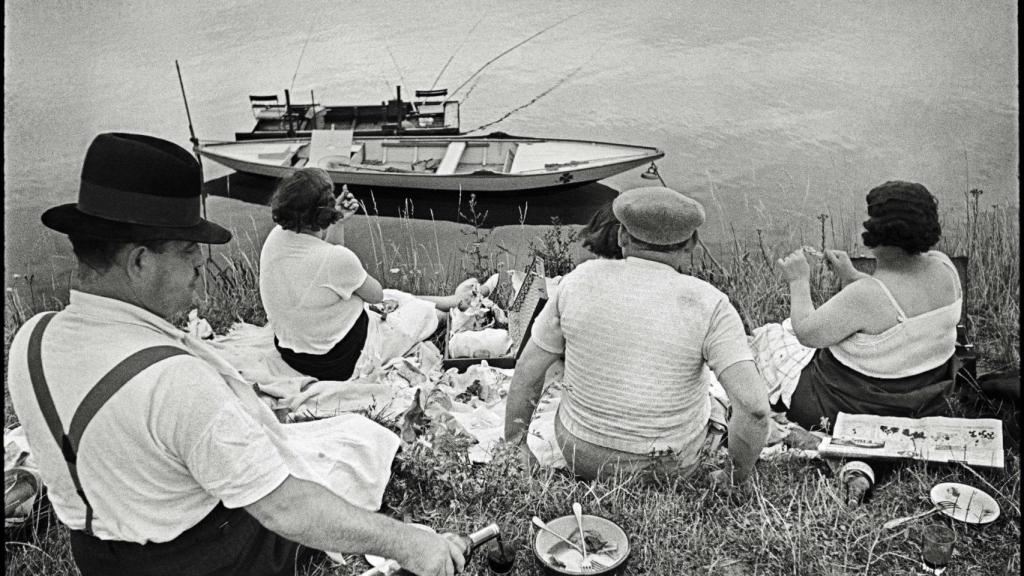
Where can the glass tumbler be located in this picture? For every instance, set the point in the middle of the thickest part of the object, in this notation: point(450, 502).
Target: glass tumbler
point(936, 548)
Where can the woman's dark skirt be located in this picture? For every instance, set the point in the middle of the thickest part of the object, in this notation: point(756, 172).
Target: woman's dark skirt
point(337, 364)
point(828, 387)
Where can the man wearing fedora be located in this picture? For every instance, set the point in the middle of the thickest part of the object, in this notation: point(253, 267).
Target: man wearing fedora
point(636, 335)
point(150, 458)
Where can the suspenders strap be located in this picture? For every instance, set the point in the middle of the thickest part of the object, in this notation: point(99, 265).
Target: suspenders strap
point(99, 394)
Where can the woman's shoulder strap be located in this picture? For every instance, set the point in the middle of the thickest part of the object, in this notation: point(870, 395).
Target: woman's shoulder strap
point(948, 262)
point(885, 289)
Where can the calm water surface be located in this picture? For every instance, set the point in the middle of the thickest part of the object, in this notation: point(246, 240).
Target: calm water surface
point(769, 112)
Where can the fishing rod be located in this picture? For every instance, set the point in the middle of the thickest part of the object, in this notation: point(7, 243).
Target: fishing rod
point(401, 77)
point(495, 59)
point(454, 52)
point(199, 158)
point(465, 97)
point(309, 36)
point(561, 81)
point(291, 87)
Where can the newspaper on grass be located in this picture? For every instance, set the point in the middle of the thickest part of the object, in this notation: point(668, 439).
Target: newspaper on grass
point(976, 442)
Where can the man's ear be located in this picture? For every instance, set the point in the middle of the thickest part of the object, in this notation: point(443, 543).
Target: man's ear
point(135, 260)
point(691, 243)
point(623, 237)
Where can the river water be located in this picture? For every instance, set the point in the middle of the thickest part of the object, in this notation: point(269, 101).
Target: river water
point(770, 112)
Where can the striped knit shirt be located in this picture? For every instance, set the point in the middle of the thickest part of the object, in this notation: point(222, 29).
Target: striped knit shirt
point(636, 334)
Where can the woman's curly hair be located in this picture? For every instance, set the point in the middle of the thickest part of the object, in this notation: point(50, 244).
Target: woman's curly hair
point(304, 201)
point(903, 214)
point(601, 234)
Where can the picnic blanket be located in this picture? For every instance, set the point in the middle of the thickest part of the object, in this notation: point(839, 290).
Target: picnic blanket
point(476, 399)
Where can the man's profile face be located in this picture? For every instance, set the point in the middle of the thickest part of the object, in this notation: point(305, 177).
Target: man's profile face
point(175, 277)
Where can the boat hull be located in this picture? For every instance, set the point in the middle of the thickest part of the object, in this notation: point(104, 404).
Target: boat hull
point(484, 181)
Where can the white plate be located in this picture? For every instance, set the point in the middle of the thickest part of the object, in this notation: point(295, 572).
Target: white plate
point(971, 505)
point(566, 525)
point(377, 561)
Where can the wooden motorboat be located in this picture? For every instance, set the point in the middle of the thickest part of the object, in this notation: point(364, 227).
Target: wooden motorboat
point(494, 163)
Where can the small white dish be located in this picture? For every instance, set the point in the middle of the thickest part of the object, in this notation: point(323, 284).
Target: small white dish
point(970, 504)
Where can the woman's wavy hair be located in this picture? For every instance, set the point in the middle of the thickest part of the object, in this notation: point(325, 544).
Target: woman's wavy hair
point(903, 214)
point(304, 201)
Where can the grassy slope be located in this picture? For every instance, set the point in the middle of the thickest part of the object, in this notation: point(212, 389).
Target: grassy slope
point(794, 523)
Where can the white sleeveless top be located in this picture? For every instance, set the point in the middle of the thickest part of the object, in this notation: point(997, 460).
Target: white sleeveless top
point(914, 345)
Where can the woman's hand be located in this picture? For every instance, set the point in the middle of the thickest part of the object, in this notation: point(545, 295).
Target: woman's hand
point(842, 266)
point(795, 266)
point(346, 203)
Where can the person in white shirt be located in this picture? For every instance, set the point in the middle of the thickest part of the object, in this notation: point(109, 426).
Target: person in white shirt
point(636, 335)
point(330, 318)
point(148, 455)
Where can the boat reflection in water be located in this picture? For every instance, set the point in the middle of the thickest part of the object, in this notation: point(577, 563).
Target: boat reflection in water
point(571, 205)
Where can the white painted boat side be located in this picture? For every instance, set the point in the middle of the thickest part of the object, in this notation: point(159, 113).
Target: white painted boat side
point(259, 157)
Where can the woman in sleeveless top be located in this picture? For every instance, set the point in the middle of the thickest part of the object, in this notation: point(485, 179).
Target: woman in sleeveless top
point(885, 342)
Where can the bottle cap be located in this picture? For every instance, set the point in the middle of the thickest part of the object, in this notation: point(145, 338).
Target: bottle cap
point(857, 466)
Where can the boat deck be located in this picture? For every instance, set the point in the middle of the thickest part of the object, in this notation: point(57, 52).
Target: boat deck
point(420, 118)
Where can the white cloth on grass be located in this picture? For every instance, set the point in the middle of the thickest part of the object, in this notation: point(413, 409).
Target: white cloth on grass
point(412, 322)
point(780, 357)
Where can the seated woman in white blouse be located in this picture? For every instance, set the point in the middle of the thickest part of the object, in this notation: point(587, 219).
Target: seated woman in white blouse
point(316, 292)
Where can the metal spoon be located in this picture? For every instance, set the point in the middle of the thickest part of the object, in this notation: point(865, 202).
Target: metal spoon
point(578, 511)
point(540, 524)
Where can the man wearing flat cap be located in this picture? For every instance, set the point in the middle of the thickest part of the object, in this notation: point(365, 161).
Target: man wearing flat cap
point(636, 335)
point(155, 464)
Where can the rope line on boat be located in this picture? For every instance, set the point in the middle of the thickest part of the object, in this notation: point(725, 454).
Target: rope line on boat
point(495, 59)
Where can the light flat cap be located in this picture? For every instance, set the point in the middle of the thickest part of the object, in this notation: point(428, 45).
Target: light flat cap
point(658, 215)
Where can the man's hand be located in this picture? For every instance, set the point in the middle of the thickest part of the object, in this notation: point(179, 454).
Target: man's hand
point(725, 483)
point(429, 554)
point(795, 266)
point(346, 203)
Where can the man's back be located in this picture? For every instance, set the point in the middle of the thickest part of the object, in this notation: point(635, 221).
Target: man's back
point(149, 459)
point(636, 337)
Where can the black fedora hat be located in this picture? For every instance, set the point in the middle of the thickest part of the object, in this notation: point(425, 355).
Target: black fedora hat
point(137, 188)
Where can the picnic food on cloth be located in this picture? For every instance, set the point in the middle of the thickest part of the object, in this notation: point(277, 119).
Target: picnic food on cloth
point(22, 484)
point(479, 331)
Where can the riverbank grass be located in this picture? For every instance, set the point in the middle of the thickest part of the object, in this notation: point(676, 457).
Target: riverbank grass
point(794, 521)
